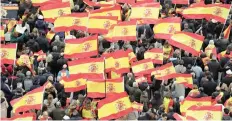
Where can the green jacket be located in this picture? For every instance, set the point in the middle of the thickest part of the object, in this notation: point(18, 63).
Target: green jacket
point(14, 39)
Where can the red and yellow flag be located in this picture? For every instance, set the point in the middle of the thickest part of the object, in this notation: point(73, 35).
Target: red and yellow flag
point(90, 68)
point(8, 53)
point(103, 24)
point(131, 55)
point(219, 97)
point(164, 72)
point(2, 33)
point(125, 31)
point(142, 67)
point(227, 32)
point(24, 60)
point(100, 3)
point(114, 107)
point(126, 1)
point(187, 41)
point(57, 10)
point(96, 88)
point(50, 36)
point(23, 117)
point(137, 106)
point(121, 62)
point(77, 21)
point(185, 79)
point(112, 11)
point(11, 25)
point(40, 55)
point(114, 75)
point(114, 86)
point(179, 117)
point(44, 2)
point(146, 11)
point(109, 62)
point(167, 102)
point(140, 79)
point(155, 54)
point(207, 113)
point(164, 28)
point(110, 34)
point(81, 48)
point(73, 83)
point(183, 2)
point(188, 102)
point(31, 100)
point(144, 1)
point(228, 102)
point(221, 54)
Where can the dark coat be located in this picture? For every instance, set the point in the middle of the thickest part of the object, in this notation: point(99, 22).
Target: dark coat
point(58, 114)
point(215, 68)
point(43, 43)
point(209, 87)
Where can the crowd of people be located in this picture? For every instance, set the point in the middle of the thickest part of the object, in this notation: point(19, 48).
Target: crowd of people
point(211, 75)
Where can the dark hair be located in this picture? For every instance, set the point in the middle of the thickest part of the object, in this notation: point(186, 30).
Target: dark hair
point(164, 115)
point(226, 111)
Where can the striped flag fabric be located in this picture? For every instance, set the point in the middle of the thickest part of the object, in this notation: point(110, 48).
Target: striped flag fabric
point(81, 48)
point(77, 21)
point(183, 2)
point(183, 118)
point(207, 113)
point(114, 107)
point(11, 24)
point(221, 54)
point(110, 34)
point(156, 54)
point(142, 67)
point(164, 72)
point(164, 28)
point(144, 1)
point(24, 60)
point(114, 75)
point(137, 106)
point(185, 79)
point(44, 2)
point(103, 24)
point(96, 88)
point(74, 83)
point(57, 10)
point(90, 68)
point(8, 53)
point(228, 102)
point(140, 79)
point(114, 86)
point(167, 102)
point(31, 100)
point(40, 55)
point(227, 32)
point(109, 62)
point(219, 97)
point(50, 36)
point(131, 55)
point(121, 62)
point(2, 34)
point(189, 102)
point(111, 11)
point(145, 11)
point(125, 31)
point(187, 41)
point(126, 1)
point(23, 117)
point(100, 3)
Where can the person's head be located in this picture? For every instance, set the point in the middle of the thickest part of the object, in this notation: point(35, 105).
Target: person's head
point(64, 66)
point(218, 89)
point(58, 104)
point(226, 111)
point(152, 115)
point(206, 68)
point(164, 117)
point(135, 84)
point(201, 89)
point(88, 104)
point(57, 37)
point(54, 48)
point(49, 58)
point(45, 115)
point(211, 42)
point(50, 78)
point(50, 98)
point(181, 62)
point(28, 74)
point(186, 26)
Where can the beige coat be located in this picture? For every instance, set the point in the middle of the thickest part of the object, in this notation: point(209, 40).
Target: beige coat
point(4, 106)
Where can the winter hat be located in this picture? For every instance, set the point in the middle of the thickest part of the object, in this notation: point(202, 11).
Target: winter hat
point(40, 17)
point(229, 72)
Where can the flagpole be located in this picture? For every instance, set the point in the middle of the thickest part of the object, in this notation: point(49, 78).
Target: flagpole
point(104, 75)
point(225, 22)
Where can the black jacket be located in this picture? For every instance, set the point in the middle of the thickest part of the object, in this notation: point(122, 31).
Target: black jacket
point(43, 43)
point(215, 68)
point(209, 87)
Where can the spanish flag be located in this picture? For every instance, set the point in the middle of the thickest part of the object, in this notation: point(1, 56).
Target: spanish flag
point(168, 102)
point(121, 62)
point(50, 36)
point(110, 34)
point(114, 75)
point(109, 62)
point(23, 117)
point(227, 32)
point(99, 4)
point(146, 12)
point(2, 33)
point(114, 107)
point(218, 12)
point(137, 106)
point(219, 97)
point(164, 28)
point(142, 67)
point(40, 55)
point(155, 54)
point(112, 11)
point(183, 2)
point(91, 68)
point(74, 83)
point(103, 24)
point(185, 79)
point(11, 25)
point(164, 72)
point(96, 88)
point(228, 102)
point(8, 53)
point(24, 60)
point(207, 113)
point(31, 100)
point(126, 1)
point(195, 11)
point(131, 55)
point(44, 2)
point(144, 1)
point(125, 31)
point(80, 48)
point(77, 21)
point(114, 86)
point(188, 102)
point(140, 79)
point(48, 84)
point(57, 10)
point(187, 41)
point(179, 117)
point(221, 54)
